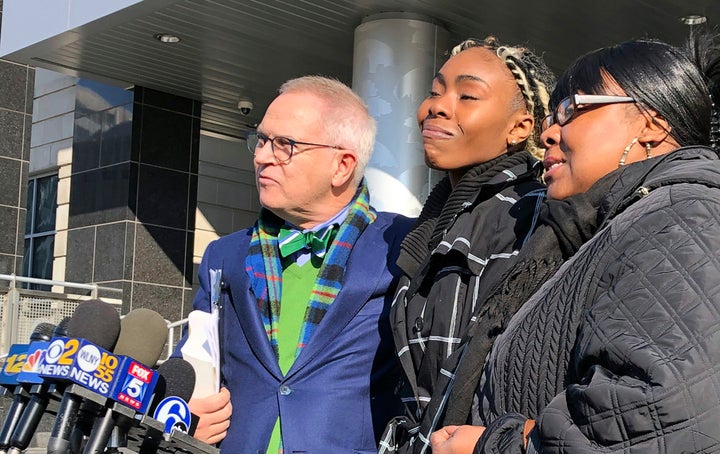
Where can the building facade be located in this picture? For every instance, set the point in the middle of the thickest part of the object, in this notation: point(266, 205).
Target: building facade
point(122, 145)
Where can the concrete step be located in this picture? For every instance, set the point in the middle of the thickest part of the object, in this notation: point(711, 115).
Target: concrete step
point(39, 443)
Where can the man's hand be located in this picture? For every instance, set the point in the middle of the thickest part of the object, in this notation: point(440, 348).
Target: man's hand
point(214, 413)
point(455, 439)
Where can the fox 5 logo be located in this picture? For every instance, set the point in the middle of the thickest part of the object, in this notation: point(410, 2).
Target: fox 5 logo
point(175, 413)
point(133, 392)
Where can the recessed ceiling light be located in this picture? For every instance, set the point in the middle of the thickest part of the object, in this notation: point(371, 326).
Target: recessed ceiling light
point(166, 38)
point(693, 19)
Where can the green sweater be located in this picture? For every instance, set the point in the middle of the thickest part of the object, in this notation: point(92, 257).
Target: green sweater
point(297, 283)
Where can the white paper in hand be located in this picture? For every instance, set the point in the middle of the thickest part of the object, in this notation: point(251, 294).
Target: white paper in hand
point(201, 351)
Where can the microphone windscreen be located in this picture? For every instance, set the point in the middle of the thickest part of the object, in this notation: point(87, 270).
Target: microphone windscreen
point(61, 330)
point(177, 378)
point(143, 333)
point(43, 332)
point(97, 322)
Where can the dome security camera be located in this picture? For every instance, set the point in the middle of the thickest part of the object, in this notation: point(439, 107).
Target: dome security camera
point(245, 106)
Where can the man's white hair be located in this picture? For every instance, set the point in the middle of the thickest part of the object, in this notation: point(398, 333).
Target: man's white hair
point(347, 121)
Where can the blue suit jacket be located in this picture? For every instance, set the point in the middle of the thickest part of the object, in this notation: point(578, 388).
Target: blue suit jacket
point(340, 392)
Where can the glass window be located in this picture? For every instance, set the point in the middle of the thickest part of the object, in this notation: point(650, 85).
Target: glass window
point(40, 229)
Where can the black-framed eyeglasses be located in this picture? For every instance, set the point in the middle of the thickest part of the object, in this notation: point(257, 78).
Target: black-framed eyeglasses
point(282, 147)
point(570, 106)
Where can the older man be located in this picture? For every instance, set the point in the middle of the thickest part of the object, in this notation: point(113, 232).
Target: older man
point(307, 355)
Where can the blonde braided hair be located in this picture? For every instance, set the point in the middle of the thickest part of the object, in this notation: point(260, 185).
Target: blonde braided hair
point(533, 77)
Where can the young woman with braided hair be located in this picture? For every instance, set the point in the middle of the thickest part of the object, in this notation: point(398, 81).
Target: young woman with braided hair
point(481, 125)
point(618, 351)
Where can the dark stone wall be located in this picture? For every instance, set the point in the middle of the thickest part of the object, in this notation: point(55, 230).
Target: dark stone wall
point(16, 101)
point(133, 193)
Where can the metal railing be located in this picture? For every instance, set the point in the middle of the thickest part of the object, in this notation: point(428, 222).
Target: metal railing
point(22, 309)
point(171, 334)
point(94, 288)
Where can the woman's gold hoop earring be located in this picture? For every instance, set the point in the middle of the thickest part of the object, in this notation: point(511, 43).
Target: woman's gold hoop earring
point(648, 150)
point(626, 151)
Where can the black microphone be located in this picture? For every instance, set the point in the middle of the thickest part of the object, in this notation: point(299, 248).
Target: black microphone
point(61, 330)
point(99, 323)
point(88, 410)
point(171, 426)
point(177, 379)
point(42, 332)
point(143, 335)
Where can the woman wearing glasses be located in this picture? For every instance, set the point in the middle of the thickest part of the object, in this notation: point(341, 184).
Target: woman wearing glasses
point(479, 123)
point(619, 350)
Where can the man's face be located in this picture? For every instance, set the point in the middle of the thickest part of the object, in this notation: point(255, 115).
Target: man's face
point(293, 189)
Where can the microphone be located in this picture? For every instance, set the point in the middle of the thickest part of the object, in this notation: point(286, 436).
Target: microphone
point(177, 381)
point(61, 330)
point(11, 372)
point(171, 415)
point(36, 387)
point(143, 334)
point(94, 324)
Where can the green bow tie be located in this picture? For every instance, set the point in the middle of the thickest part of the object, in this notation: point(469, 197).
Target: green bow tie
point(292, 240)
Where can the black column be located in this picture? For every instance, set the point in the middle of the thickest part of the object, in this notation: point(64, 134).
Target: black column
point(133, 193)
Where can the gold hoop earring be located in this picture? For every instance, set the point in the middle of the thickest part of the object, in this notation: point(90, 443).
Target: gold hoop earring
point(648, 150)
point(626, 151)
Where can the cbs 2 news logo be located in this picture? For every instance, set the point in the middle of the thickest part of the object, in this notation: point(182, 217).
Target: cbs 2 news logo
point(82, 362)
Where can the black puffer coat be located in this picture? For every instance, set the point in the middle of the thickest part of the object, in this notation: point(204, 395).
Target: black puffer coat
point(620, 350)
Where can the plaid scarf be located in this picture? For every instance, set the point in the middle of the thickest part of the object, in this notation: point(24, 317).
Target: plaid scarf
point(263, 266)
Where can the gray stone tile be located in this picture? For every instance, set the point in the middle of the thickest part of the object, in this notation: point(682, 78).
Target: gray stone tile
point(8, 224)
point(101, 196)
point(189, 245)
point(167, 101)
point(24, 172)
point(13, 85)
point(166, 138)
point(27, 128)
point(110, 251)
point(129, 251)
point(80, 252)
point(159, 256)
point(188, 296)
point(10, 264)
point(167, 301)
point(30, 91)
point(10, 182)
point(163, 197)
point(11, 140)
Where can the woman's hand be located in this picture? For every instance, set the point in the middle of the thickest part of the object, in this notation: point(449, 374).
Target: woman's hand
point(214, 412)
point(455, 439)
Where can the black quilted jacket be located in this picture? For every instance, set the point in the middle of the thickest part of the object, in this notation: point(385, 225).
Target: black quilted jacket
point(620, 350)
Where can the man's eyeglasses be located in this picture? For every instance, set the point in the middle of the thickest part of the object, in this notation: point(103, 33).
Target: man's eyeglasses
point(570, 106)
point(282, 147)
